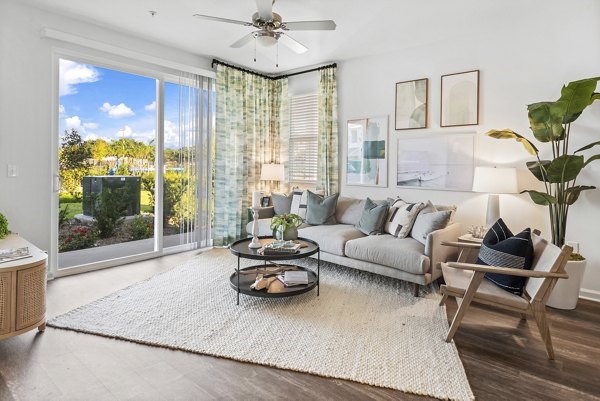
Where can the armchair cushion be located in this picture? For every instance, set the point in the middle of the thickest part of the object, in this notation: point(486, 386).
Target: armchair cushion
point(501, 248)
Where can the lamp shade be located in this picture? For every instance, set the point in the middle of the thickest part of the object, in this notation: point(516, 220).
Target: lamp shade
point(272, 172)
point(495, 180)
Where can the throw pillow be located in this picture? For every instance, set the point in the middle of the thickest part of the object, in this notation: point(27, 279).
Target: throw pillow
point(300, 200)
point(373, 218)
point(321, 210)
point(426, 223)
point(401, 217)
point(501, 248)
point(282, 203)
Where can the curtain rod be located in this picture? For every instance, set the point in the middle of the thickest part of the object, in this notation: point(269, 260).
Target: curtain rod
point(275, 77)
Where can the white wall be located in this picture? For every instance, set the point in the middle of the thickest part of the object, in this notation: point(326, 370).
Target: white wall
point(26, 97)
point(526, 61)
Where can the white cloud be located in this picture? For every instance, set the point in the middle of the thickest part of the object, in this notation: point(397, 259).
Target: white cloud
point(128, 132)
point(61, 109)
point(125, 132)
point(151, 106)
point(93, 137)
point(74, 123)
point(171, 134)
point(90, 125)
point(72, 74)
point(117, 111)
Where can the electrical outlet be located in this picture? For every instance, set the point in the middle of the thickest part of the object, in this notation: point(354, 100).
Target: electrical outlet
point(11, 170)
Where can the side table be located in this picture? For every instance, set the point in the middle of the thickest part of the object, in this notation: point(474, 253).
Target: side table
point(22, 290)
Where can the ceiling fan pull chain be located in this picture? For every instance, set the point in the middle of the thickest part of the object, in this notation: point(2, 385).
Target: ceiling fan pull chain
point(255, 49)
point(277, 59)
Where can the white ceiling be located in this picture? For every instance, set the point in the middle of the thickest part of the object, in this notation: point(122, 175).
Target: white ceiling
point(363, 27)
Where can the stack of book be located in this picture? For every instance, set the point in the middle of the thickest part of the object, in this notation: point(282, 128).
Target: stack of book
point(294, 277)
point(8, 255)
point(280, 247)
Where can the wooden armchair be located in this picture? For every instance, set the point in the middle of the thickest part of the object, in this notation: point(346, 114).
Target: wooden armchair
point(465, 280)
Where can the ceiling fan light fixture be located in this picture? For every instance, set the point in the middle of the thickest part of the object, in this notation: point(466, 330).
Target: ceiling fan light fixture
point(266, 39)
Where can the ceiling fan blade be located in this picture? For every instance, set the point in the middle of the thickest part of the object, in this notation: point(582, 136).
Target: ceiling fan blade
point(292, 43)
point(218, 19)
point(327, 25)
point(265, 9)
point(243, 41)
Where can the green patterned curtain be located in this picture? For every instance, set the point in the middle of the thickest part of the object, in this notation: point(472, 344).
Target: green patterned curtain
point(327, 161)
point(247, 135)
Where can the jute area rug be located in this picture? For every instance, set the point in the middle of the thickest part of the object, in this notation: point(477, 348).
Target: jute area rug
point(363, 327)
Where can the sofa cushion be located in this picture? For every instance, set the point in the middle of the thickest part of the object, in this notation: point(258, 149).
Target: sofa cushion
point(331, 238)
point(282, 203)
point(349, 210)
point(373, 218)
point(429, 222)
point(405, 254)
point(401, 218)
point(321, 210)
point(300, 200)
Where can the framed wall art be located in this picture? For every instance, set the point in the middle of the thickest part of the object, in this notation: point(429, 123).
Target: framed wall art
point(460, 99)
point(444, 161)
point(411, 104)
point(366, 157)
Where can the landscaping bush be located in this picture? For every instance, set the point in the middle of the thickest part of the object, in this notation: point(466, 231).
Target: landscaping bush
point(140, 228)
point(109, 208)
point(78, 238)
point(63, 215)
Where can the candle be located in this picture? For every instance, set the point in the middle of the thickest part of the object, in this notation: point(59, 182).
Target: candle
point(256, 197)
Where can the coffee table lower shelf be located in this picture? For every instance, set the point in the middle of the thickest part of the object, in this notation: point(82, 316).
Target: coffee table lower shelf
point(246, 280)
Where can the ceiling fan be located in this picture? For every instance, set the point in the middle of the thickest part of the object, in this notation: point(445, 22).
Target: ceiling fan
point(270, 26)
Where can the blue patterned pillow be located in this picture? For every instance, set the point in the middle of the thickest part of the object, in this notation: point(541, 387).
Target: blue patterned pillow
point(501, 248)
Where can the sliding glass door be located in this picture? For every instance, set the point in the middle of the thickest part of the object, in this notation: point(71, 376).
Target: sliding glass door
point(126, 188)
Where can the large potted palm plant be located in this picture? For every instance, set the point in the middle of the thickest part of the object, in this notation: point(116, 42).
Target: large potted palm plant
point(550, 123)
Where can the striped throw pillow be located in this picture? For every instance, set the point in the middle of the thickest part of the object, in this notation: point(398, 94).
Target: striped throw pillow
point(300, 200)
point(401, 217)
point(501, 248)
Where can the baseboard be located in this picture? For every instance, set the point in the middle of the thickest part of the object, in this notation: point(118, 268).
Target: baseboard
point(591, 295)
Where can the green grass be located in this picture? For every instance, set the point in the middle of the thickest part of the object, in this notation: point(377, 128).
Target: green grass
point(77, 208)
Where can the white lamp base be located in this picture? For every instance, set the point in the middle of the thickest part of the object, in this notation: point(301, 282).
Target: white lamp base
point(493, 210)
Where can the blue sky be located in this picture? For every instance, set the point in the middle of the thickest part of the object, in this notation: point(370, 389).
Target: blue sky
point(109, 104)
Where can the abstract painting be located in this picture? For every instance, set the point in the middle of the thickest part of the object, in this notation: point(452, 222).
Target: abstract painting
point(411, 104)
point(436, 162)
point(366, 161)
point(460, 99)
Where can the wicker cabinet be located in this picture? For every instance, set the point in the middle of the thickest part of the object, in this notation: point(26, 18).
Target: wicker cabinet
point(22, 290)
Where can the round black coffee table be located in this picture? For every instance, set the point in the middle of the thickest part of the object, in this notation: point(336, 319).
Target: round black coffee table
point(242, 282)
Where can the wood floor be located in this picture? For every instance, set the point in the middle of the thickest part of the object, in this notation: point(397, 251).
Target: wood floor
point(503, 357)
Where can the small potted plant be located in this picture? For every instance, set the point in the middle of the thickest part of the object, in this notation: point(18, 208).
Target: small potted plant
point(285, 226)
point(3, 226)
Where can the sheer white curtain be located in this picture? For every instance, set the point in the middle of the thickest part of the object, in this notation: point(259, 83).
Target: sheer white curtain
point(196, 131)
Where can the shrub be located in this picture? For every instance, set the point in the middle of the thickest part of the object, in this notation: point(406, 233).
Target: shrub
point(140, 228)
point(63, 215)
point(109, 209)
point(78, 238)
point(3, 226)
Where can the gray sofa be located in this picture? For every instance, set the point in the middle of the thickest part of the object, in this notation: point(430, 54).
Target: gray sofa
point(405, 259)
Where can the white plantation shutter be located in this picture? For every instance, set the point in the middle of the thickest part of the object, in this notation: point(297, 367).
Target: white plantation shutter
point(304, 127)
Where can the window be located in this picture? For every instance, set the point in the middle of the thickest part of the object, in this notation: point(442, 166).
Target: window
point(304, 128)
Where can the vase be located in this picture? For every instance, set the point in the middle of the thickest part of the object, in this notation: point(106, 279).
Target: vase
point(566, 291)
point(289, 234)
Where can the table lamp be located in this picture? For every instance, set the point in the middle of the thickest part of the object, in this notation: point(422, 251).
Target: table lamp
point(272, 172)
point(494, 181)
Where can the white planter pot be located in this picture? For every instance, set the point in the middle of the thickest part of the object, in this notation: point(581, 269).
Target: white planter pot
point(566, 291)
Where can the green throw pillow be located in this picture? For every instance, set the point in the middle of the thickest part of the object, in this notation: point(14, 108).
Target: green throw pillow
point(321, 210)
point(373, 218)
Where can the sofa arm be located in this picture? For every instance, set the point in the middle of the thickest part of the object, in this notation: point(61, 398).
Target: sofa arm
point(438, 253)
point(263, 213)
